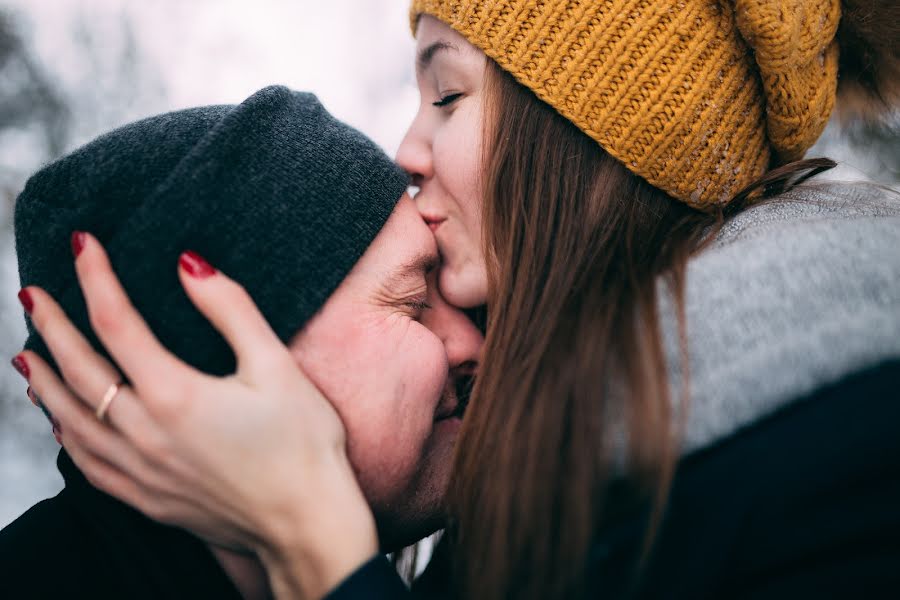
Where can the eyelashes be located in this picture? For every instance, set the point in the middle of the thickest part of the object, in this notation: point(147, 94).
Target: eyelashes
point(418, 304)
point(447, 100)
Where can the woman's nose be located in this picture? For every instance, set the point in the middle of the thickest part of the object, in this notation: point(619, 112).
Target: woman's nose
point(414, 154)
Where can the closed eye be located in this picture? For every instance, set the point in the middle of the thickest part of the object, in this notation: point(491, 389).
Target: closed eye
point(415, 305)
point(418, 304)
point(447, 100)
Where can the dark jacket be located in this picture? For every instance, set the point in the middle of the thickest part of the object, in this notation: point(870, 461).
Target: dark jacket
point(84, 544)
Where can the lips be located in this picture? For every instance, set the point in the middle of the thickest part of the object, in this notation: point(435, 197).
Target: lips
point(432, 214)
point(433, 222)
point(449, 405)
point(456, 398)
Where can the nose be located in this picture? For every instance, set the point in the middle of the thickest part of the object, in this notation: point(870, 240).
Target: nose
point(462, 339)
point(414, 154)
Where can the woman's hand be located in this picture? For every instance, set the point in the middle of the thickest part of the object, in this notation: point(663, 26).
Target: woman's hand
point(254, 461)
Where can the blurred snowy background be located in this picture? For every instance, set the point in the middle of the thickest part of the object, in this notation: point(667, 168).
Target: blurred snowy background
point(71, 69)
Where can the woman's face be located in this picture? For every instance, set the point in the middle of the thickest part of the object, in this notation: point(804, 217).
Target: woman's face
point(442, 152)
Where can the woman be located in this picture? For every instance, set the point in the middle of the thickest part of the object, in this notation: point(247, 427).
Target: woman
point(654, 302)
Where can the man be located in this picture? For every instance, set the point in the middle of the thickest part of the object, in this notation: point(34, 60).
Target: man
point(303, 212)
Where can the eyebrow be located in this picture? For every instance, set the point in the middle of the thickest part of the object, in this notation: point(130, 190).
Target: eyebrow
point(428, 54)
point(421, 264)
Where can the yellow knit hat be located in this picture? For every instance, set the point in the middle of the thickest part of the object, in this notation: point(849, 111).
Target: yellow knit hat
point(699, 97)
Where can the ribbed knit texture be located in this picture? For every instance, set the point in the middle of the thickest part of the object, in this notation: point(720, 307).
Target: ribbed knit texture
point(699, 97)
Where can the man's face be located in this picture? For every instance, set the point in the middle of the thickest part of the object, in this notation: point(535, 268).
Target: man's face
point(388, 352)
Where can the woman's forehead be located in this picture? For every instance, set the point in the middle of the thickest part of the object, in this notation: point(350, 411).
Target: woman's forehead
point(433, 31)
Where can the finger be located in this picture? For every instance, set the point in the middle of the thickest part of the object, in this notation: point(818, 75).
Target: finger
point(231, 311)
point(124, 333)
point(84, 435)
point(37, 402)
point(79, 425)
point(88, 373)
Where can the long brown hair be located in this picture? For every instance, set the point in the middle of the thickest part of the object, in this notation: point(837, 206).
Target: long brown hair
point(576, 244)
point(574, 400)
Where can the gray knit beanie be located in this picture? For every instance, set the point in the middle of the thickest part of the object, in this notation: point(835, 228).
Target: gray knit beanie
point(274, 192)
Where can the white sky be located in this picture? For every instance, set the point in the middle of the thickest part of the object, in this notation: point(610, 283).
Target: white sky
point(356, 55)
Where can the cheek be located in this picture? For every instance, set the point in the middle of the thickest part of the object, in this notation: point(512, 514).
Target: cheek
point(389, 427)
point(414, 373)
point(388, 455)
point(463, 276)
point(428, 367)
point(457, 165)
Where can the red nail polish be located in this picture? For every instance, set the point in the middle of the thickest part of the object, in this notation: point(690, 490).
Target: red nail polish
point(196, 265)
point(18, 362)
point(78, 239)
point(26, 300)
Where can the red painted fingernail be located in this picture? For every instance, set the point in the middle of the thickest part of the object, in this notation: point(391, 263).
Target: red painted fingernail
point(26, 300)
point(18, 362)
point(78, 239)
point(195, 265)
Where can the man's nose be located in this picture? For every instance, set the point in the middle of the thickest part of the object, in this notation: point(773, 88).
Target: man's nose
point(462, 343)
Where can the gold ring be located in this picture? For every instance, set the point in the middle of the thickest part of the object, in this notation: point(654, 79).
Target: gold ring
point(107, 400)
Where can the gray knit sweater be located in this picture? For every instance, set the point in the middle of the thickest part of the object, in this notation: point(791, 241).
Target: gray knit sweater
point(791, 296)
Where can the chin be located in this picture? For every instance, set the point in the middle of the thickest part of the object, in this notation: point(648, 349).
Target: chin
point(419, 510)
point(393, 538)
point(402, 526)
point(464, 285)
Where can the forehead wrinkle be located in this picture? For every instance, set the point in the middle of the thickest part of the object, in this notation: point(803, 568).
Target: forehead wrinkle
point(426, 56)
